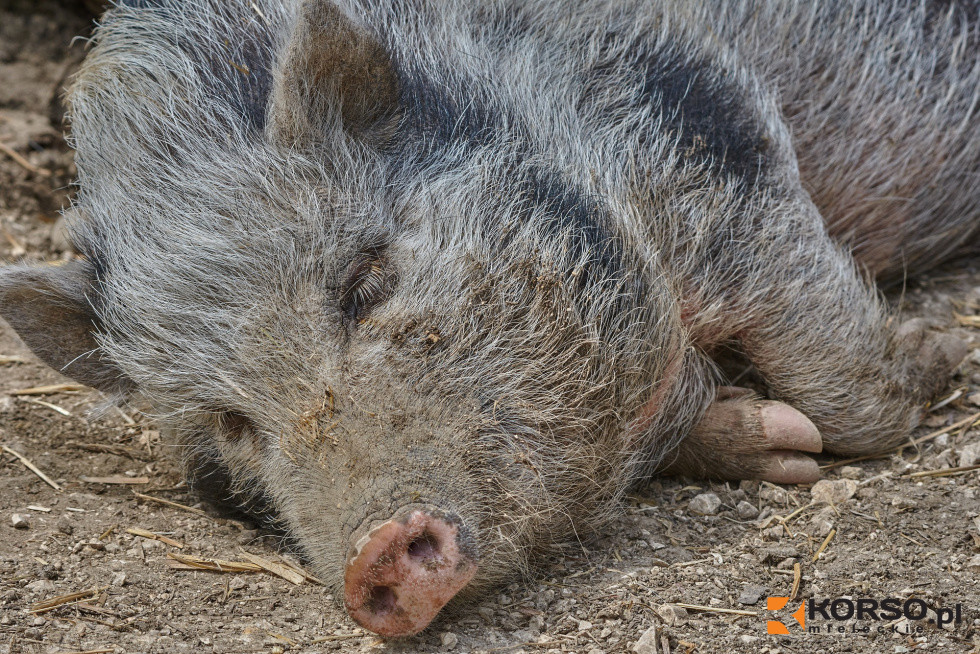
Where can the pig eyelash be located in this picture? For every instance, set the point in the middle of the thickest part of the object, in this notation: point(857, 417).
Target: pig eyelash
point(368, 284)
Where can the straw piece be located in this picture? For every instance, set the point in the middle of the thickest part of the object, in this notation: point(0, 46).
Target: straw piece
point(47, 390)
point(213, 565)
point(71, 598)
point(143, 533)
point(22, 162)
point(945, 472)
point(713, 609)
point(824, 544)
point(173, 505)
point(288, 574)
point(33, 468)
point(117, 479)
point(797, 576)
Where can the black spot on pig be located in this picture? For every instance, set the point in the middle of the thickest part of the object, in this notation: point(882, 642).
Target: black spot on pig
point(568, 210)
point(711, 118)
point(436, 118)
point(713, 122)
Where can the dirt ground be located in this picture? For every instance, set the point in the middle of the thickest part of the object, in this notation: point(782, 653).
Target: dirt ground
point(893, 527)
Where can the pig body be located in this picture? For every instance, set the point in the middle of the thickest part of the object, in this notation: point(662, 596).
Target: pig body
point(435, 283)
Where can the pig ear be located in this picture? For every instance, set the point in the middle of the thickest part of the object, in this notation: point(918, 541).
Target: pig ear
point(332, 74)
point(49, 309)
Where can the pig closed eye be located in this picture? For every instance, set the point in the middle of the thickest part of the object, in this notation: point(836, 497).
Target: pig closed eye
point(369, 282)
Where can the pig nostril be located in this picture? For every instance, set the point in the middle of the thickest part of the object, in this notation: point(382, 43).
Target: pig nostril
point(383, 600)
point(424, 548)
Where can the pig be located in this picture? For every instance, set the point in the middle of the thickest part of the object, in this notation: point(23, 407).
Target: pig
point(433, 284)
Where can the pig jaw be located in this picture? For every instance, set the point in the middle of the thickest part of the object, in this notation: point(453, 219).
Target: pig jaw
point(400, 574)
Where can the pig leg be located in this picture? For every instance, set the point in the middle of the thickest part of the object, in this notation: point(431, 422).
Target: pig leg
point(743, 436)
point(826, 346)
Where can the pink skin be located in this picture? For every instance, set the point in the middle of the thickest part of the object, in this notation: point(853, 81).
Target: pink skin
point(742, 436)
point(402, 572)
point(788, 433)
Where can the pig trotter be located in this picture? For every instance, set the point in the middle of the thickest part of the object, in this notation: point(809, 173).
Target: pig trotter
point(936, 354)
point(742, 436)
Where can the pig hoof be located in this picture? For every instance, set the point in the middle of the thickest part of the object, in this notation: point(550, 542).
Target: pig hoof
point(402, 572)
point(950, 350)
point(785, 433)
point(744, 437)
point(788, 468)
point(936, 355)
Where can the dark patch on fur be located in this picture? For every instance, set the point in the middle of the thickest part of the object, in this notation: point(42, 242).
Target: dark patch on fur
point(712, 120)
point(435, 119)
point(567, 210)
point(241, 73)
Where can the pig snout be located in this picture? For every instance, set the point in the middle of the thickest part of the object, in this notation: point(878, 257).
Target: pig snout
point(403, 571)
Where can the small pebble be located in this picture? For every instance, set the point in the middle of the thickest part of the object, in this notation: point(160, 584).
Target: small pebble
point(704, 504)
point(969, 454)
point(449, 640)
point(746, 510)
point(119, 579)
point(672, 615)
point(751, 594)
point(19, 521)
point(822, 522)
point(774, 494)
point(833, 491)
point(647, 644)
point(851, 472)
point(41, 586)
